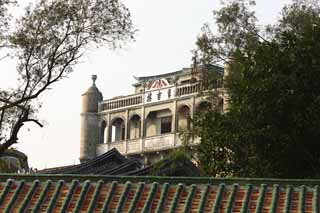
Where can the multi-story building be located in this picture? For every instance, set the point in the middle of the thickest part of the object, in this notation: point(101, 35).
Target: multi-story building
point(146, 124)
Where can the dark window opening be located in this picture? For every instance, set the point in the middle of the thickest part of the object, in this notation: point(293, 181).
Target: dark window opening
point(165, 125)
point(123, 133)
point(103, 132)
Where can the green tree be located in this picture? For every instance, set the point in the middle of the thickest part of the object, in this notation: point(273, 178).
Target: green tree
point(272, 125)
point(14, 161)
point(47, 42)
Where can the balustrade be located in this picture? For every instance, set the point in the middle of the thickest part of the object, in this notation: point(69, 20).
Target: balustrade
point(134, 145)
point(188, 89)
point(140, 145)
point(122, 102)
point(135, 99)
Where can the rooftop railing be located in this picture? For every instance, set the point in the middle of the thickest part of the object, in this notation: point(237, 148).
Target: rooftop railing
point(188, 89)
point(135, 99)
point(122, 102)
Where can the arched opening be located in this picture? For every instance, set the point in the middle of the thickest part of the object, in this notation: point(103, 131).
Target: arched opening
point(159, 122)
point(103, 132)
point(183, 118)
point(203, 106)
point(135, 127)
point(117, 130)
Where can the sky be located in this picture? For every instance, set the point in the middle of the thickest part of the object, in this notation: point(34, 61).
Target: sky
point(167, 31)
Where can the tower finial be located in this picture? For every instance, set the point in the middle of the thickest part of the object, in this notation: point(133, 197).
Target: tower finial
point(94, 78)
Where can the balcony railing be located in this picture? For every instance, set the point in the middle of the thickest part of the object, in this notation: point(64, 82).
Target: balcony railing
point(188, 89)
point(135, 99)
point(159, 142)
point(135, 146)
point(122, 102)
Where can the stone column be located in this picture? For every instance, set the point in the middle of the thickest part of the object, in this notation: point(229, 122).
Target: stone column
point(174, 117)
point(126, 125)
point(142, 136)
point(174, 122)
point(108, 131)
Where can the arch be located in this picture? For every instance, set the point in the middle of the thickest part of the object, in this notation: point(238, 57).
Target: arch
point(203, 106)
point(103, 132)
point(116, 116)
point(117, 131)
point(158, 122)
point(134, 127)
point(183, 105)
point(183, 117)
point(134, 114)
point(155, 108)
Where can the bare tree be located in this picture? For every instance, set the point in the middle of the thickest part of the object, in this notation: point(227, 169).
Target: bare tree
point(47, 42)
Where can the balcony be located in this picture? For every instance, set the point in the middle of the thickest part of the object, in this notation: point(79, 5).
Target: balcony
point(153, 96)
point(136, 99)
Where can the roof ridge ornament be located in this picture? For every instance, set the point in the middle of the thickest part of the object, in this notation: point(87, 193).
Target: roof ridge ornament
point(94, 78)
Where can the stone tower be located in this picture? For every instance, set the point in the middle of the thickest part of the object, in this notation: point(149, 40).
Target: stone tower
point(89, 133)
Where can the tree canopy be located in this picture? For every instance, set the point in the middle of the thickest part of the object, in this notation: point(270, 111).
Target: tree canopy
point(272, 125)
point(47, 41)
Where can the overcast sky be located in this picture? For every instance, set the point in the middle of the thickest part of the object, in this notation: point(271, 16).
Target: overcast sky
point(167, 33)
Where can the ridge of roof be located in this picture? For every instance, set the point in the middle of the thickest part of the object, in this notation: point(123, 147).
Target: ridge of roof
point(168, 167)
point(160, 179)
point(120, 169)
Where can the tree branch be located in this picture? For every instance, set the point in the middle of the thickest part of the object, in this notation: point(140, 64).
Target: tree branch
point(23, 118)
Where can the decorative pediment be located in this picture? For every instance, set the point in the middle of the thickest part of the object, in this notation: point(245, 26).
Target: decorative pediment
point(159, 84)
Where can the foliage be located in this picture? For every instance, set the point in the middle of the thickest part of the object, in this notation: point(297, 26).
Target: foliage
point(173, 162)
point(14, 161)
point(272, 126)
point(4, 19)
point(47, 41)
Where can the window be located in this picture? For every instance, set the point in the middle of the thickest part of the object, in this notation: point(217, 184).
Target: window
point(117, 130)
point(166, 125)
point(103, 132)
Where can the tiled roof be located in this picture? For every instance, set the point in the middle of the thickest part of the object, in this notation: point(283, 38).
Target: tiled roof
point(114, 163)
point(70, 193)
point(110, 163)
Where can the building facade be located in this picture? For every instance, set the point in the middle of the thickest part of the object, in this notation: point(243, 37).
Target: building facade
point(146, 124)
